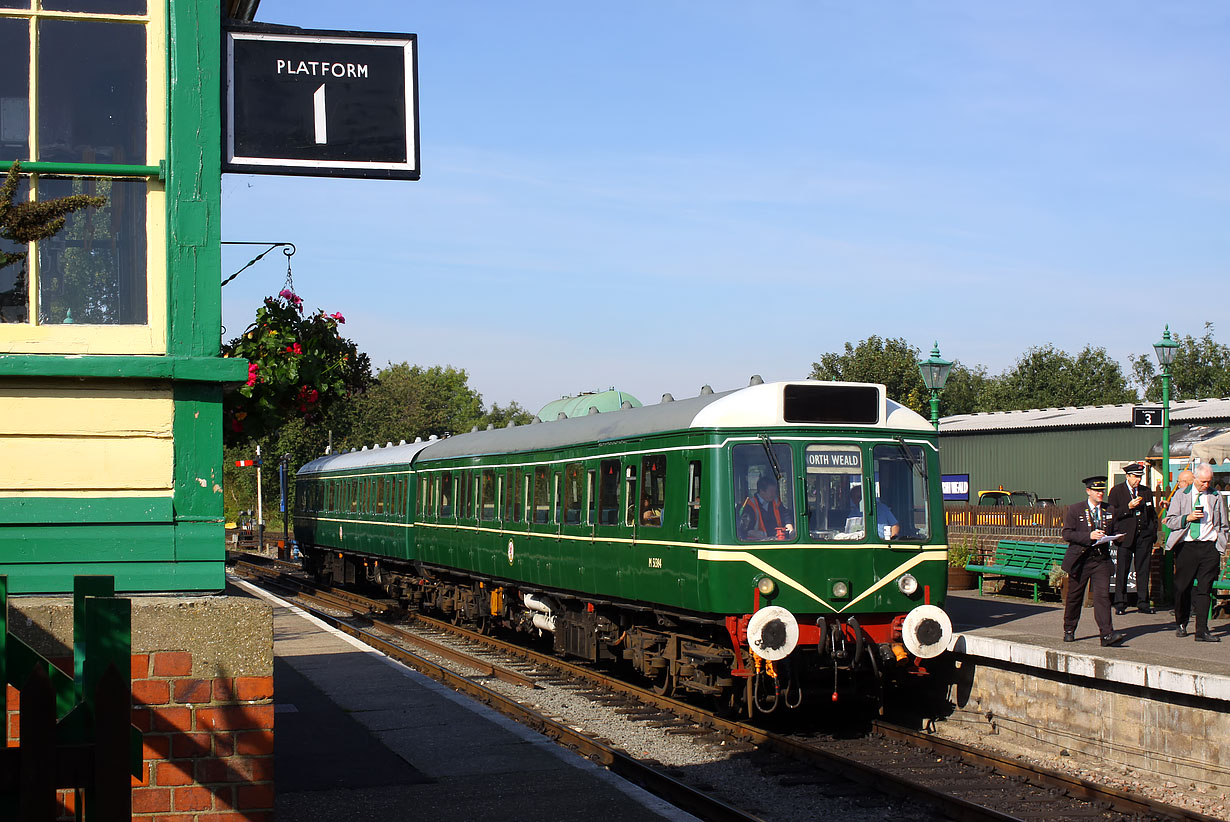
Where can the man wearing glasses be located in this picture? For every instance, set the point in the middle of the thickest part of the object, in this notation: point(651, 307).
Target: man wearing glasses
point(1198, 523)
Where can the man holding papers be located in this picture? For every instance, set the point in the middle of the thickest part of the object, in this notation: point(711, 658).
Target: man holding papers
point(1090, 533)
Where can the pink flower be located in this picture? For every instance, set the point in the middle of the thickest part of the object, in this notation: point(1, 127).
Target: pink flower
point(294, 349)
point(338, 316)
point(252, 377)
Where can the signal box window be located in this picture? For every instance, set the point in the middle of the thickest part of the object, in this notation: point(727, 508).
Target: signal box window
point(608, 493)
point(900, 507)
point(763, 487)
point(653, 490)
point(833, 482)
point(573, 501)
point(542, 496)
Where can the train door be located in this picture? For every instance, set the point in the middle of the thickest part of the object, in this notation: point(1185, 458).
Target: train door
point(606, 551)
point(628, 553)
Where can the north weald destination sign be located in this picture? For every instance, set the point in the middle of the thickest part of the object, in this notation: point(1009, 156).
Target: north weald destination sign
point(327, 103)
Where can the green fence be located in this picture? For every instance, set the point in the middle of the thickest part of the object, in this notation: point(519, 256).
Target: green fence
point(75, 731)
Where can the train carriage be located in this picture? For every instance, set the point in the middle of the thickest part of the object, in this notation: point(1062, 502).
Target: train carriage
point(751, 544)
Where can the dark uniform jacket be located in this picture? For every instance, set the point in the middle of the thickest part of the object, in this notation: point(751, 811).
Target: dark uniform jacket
point(1076, 529)
point(1137, 524)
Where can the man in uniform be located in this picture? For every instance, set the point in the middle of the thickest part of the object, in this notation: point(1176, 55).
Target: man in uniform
point(763, 516)
point(1131, 507)
point(1087, 561)
point(1199, 525)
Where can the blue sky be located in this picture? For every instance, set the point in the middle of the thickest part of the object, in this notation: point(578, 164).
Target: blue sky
point(659, 195)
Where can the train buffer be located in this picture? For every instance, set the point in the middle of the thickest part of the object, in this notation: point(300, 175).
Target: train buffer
point(1030, 561)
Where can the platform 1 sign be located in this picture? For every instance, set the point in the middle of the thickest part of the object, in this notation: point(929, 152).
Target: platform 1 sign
point(1147, 416)
point(326, 103)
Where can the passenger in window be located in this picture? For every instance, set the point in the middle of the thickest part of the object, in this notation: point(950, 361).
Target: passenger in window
point(650, 513)
point(763, 517)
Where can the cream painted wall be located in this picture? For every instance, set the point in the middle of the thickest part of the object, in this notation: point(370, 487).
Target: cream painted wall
point(82, 437)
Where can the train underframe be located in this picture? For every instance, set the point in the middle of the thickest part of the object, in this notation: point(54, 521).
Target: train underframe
point(837, 659)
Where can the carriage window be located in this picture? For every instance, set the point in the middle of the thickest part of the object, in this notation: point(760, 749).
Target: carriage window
point(573, 501)
point(630, 496)
point(463, 495)
point(510, 496)
point(444, 484)
point(608, 493)
point(559, 498)
point(380, 495)
point(900, 506)
point(529, 497)
point(763, 489)
point(488, 496)
point(694, 494)
point(542, 499)
point(834, 486)
point(352, 493)
point(591, 497)
point(653, 490)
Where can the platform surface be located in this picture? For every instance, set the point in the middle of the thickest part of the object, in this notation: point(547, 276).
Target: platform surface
point(1019, 630)
point(359, 736)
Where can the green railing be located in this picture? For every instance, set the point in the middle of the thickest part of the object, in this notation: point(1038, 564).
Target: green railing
point(74, 731)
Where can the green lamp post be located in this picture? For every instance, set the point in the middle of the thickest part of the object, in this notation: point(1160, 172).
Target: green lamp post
point(934, 371)
point(1165, 348)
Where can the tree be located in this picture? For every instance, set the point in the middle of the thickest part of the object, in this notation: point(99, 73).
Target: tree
point(298, 367)
point(26, 222)
point(1046, 377)
point(411, 401)
point(894, 363)
point(1201, 369)
point(501, 417)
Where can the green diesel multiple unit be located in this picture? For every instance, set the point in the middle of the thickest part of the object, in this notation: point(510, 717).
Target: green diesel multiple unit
point(787, 531)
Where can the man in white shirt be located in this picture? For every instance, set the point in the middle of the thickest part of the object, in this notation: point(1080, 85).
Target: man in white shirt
point(1198, 523)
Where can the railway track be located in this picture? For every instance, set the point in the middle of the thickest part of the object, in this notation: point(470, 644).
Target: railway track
point(957, 781)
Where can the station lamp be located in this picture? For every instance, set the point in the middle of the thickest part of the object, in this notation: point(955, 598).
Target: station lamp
point(1165, 348)
point(934, 373)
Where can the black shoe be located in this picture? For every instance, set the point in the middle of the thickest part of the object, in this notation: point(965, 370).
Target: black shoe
point(1205, 636)
point(1181, 631)
point(1146, 609)
point(1120, 610)
point(1069, 636)
point(1112, 639)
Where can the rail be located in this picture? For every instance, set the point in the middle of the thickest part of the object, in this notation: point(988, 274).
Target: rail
point(1004, 516)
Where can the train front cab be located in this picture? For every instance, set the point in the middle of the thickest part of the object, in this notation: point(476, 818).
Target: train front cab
point(834, 559)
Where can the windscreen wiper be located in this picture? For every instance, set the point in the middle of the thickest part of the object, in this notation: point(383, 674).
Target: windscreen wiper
point(909, 455)
point(768, 450)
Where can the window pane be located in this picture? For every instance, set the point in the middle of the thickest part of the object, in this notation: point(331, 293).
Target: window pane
point(14, 4)
point(608, 493)
point(901, 510)
point(573, 501)
point(95, 115)
point(766, 509)
point(14, 89)
point(95, 267)
point(14, 286)
point(488, 496)
point(653, 490)
point(95, 6)
point(834, 488)
point(694, 494)
point(542, 501)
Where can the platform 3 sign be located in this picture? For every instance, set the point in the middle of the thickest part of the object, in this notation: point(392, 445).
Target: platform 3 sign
point(325, 103)
point(1147, 416)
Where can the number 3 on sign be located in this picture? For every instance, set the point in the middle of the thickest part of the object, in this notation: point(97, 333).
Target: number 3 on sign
point(318, 109)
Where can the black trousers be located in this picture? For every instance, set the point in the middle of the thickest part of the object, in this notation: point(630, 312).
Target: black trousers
point(1198, 561)
point(1095, 570)
point(1133, 557)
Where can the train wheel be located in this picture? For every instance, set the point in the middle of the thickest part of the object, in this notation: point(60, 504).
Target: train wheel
point(664, 682)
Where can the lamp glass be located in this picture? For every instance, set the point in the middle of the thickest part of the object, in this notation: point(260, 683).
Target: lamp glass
point(1165, 351)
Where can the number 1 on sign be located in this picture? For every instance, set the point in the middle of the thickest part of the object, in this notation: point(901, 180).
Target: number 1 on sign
point(318, 107)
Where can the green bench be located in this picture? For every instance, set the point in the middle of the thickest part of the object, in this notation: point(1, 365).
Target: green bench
point(1031, 561)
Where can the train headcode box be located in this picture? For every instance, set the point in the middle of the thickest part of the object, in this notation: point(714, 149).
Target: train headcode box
point(1147, 416)
point(324, 103)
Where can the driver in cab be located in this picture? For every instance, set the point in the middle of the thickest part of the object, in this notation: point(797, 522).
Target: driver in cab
point(763, 517)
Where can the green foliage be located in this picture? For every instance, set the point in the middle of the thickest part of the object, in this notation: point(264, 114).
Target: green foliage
point(26, 222)
point(299, 366)
point(963, 552)
point(1201, 369)
point(894, 363)
point(1046, 377)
